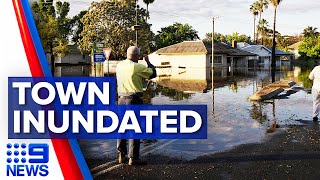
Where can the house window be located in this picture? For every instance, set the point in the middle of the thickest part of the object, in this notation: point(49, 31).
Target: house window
point(217, 59)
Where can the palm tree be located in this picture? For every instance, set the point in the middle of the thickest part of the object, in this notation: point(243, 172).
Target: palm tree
point(310, 31)
point(254, 10)
point(263, 29)
point(275, 4)
point(262, 4)
point(147, 2)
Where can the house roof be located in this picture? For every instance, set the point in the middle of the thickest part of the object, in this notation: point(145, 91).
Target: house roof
point(186, 47)
point(294, 46)
point(256, 48)
point(278, 52)
point(220, 48)
point(200, 47)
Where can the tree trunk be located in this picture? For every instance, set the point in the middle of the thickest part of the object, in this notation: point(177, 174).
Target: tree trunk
point(273, 64)
point(260, 17)
point(147, 13)
point(254, 29)
point(52, 60)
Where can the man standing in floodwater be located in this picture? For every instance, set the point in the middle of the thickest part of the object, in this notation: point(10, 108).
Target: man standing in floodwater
point(130, 78)
point(315, 76)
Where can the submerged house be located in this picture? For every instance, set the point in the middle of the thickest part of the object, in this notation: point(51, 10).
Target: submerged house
point(265, 55)
point(75, 56)
point(294, 49)
point(198, 54)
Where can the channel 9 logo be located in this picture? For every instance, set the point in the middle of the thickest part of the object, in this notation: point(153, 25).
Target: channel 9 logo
point(31, 160)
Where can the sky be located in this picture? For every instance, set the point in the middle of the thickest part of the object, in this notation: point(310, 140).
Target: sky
point(231, 15)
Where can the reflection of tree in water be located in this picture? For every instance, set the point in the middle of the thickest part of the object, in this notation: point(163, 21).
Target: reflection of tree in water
point(257, 114)
point(234, 87)
point(171, 93)
point(304, 78)
point(165, 91)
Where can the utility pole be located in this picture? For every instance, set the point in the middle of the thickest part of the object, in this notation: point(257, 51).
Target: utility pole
point(136, 23)
point(212, 66)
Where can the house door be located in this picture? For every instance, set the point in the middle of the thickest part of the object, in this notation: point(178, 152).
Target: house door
point(228, 61)
point(235, 62)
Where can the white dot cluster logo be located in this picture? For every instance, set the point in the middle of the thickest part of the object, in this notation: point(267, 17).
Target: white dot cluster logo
point(13, 153)
point(27, 160)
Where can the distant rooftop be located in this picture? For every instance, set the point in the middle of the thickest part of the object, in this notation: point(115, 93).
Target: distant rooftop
point(256, 48)
point(294, 46)
point(200, 47)
point(278, 52)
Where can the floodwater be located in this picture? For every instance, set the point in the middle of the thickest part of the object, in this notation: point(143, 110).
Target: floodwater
point(233, 121)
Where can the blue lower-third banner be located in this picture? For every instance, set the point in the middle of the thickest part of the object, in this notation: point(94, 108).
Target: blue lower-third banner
point(86, 108)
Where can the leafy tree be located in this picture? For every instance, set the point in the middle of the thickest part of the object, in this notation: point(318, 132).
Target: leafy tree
point(175, 33)
point(77, 26)
point(62, 10)
point(310, 48)
point(110, 22)
point(304, 78)
point(218, 37)
point(53, 26)
point(310, 31)
point(237, 37)
point(282, 43)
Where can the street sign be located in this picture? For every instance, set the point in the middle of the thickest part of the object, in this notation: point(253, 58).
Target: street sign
point(136, 28)
point(98, 57)
point(98, 47)
point(107, 52)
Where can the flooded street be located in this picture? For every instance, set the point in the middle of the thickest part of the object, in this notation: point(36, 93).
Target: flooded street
point(233, 121)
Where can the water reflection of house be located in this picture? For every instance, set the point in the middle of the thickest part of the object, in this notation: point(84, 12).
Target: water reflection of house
point(197, 54)
point(199, 79)
point(184, 85)
point(265, 55)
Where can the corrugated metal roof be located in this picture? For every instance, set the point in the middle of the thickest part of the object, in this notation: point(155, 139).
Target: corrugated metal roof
point(253, 48)
point(278, 52)
point(256, 48)
point(220, 48)
point(200, 47)
point(184, 47)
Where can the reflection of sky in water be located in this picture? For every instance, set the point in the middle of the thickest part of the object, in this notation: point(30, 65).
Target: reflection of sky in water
point(236, 120)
